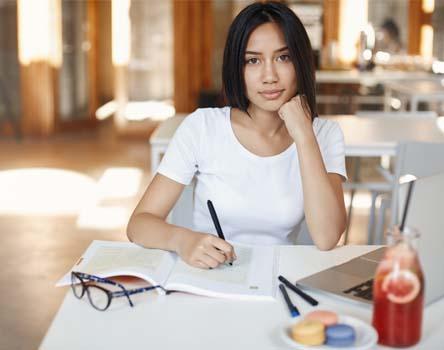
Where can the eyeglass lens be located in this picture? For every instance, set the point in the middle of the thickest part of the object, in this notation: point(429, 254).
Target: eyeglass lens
point(98, 297)
point(77, 286)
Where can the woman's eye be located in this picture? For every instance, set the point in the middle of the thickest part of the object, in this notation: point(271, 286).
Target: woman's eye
point(253, 60)
point(284, 58)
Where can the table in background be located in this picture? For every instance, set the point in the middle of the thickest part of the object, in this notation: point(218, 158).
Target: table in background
point(415, 91)
point(346, 89)
point(368, 78)
point(181, 321)
point(364, 136)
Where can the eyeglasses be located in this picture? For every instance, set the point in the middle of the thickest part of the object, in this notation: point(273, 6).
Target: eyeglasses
point(99, 297)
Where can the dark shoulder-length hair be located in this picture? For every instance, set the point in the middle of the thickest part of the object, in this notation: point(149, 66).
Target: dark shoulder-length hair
point(297, 41)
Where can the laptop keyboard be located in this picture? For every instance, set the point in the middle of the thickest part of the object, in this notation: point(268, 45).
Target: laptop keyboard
point(363, 290)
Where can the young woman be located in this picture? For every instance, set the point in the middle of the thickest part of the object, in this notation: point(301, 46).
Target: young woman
point(265, 161)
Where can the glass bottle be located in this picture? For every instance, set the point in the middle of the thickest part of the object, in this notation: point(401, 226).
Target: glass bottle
point(398, 291)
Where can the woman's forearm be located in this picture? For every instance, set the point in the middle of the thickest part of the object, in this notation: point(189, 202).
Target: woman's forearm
point(151, 231)
point(324, 211)
point(198, 249)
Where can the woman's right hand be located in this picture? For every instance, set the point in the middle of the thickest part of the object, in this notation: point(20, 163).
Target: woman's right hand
point(204, 250)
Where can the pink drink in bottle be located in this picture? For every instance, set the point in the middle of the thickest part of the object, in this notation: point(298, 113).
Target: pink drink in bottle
point(398, 291)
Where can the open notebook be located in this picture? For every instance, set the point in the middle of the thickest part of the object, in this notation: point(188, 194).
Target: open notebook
point(252, 275)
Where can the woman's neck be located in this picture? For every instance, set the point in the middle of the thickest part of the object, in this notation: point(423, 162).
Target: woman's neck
point(267, 123)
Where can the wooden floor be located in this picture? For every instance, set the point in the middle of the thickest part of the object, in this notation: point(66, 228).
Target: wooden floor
point(47, 219)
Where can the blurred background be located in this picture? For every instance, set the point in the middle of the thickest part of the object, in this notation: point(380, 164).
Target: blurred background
point(85, 84)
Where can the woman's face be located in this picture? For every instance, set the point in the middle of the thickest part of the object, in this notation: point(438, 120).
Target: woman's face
point(270, 77)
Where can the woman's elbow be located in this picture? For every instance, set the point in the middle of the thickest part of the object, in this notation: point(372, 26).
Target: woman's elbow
point(128, 234)
point(330, 240)
point(129, 229)
point(325, 246)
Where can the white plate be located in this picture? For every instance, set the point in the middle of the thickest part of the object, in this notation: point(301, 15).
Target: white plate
point(366, 336)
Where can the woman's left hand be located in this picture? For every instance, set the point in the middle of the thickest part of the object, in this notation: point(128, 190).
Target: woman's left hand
point(297, 118)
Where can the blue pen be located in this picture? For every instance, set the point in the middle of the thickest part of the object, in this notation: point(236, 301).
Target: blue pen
point(293, 309)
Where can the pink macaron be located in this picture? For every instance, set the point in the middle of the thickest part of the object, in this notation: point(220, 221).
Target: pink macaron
point(328, 318)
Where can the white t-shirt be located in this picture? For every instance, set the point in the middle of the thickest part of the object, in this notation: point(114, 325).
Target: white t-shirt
point(258, 200)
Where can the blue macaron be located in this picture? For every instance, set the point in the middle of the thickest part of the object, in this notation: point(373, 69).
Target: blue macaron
point(340, 335)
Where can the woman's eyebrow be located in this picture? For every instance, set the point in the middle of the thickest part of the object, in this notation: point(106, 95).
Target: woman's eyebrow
point(260, 53)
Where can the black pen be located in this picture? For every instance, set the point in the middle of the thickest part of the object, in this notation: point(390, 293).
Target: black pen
point(299, 292)
point(216, 221)
point(293, 309)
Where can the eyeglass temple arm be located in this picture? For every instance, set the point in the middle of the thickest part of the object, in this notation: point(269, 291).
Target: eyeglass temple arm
point(134, 291)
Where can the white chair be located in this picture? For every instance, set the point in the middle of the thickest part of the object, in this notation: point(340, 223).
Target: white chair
point(182, 212)
point(420, 159)
point(379, 187)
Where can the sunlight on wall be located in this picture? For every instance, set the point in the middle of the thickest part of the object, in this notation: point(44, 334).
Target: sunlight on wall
point(353, 19)
point(39, 31)
point(426, 48)
point(121, 36)
point(428, 6)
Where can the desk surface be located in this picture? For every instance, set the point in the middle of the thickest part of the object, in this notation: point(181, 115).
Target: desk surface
point(364, 136)
point(378, 136)
point(181, 321)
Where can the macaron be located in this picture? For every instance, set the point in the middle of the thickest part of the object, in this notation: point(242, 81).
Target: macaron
point(328, 318)
point(308, 332)
point(340, 335)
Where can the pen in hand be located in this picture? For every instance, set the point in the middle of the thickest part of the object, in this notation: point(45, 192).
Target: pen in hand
point(216, 222)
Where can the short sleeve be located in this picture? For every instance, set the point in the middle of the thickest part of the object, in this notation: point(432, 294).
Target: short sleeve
point(181, 159)
point(332, 145)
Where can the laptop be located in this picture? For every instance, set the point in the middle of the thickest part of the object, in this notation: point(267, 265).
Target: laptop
point(354, 279)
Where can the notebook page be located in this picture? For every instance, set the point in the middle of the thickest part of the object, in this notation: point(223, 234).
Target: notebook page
point(106, 259)
point(250, 277)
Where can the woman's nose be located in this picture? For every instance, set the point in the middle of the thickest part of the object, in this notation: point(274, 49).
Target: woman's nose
point(269, 74)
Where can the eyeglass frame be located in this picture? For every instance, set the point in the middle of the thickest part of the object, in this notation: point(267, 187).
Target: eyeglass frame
point(81, 276)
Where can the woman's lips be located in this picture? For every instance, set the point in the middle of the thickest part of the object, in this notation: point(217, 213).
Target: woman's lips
point(272, 94)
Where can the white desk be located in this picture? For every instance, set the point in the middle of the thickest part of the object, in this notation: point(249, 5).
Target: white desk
point(379, 136)
point(429, 90)
point(378, 76)
point(180, 321)
point(364, 137)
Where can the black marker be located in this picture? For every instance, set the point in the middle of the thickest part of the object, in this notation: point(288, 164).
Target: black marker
point(299, 292)
point(293, 309)
point(216, 221)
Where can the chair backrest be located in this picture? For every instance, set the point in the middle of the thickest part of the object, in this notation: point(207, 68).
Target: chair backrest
point(182, 212)
point(419, 159)
point(301, 235)
point(421, 114)
point(425, 214)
